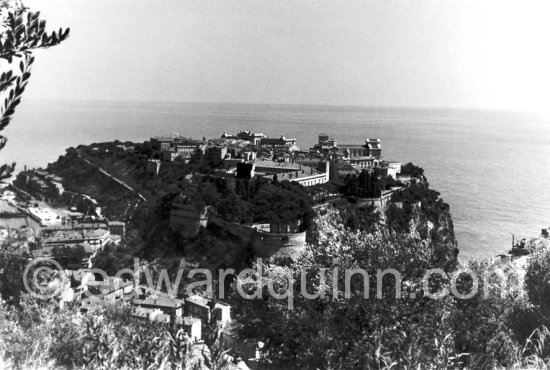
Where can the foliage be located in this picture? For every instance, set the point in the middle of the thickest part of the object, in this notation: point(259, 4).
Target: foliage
point(69, 257)
point(413, 171)
point(336, 332)
point(12, 266)
point(22, 32)
point(366, 185)
point(537, 286)
point(43, 335)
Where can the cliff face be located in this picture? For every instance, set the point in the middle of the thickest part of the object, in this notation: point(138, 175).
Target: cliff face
point(430, 223)
point(434, 224)
point(418, 212)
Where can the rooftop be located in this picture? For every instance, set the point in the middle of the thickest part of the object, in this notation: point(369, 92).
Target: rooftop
point(199, 300)
point(160, 301)
point(351, 146)
point(270, 164)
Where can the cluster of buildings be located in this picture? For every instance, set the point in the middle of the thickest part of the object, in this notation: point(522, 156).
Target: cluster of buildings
point(245, 154)
point(354, 158)
point(24, 215)
point(248, 154)
point(199, 317)
point(91, 236)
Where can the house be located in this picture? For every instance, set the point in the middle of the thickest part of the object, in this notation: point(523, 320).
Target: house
point(192, 326)
point(222, 312)
point(162, 302)
point(113, 289)
point(198, 307)
point(158, 316)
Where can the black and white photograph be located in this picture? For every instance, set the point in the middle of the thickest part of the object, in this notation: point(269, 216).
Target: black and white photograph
point(274, 184)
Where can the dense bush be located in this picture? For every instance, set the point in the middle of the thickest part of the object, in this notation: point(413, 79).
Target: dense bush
point(41, 335)
point(332, 331)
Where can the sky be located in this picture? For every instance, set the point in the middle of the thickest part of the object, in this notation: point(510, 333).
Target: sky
point(413, 53)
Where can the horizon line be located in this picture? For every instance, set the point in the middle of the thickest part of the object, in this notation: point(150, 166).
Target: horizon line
point(141, 101)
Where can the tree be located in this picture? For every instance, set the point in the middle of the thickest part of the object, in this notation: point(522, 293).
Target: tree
point(23, 32)
point(327, 332)
point(537, 282)
point(12, 267)
point(69, 257)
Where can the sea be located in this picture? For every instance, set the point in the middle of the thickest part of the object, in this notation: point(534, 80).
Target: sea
point(492, 167)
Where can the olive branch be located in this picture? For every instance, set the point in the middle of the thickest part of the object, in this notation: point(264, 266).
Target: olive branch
point(21, 33)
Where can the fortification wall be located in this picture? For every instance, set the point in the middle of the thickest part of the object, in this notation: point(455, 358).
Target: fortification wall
point(279, 245)
point(265, 244)
point(380, 203)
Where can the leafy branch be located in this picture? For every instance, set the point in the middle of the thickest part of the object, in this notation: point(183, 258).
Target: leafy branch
point(22, 33)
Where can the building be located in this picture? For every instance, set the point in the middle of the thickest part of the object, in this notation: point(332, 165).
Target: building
point(171, 147)
point(329, 147)
point(160, 302)
point(353, 151)
point(169, 155)
point(198, 307)
point(44, 216)
point(269, 167)
point(117, 228)
point(96, 238)
point(361, 163)
point(304, 175)
point(216, 152)
point(222, 312)
point(388, 169)
point(191, 325)
point(374, 147)
point(254, 138)
point(113, 289)
point(280, 142)
point(186, 150)
point(324, 143)
point(249, 156)
point(395, 165)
